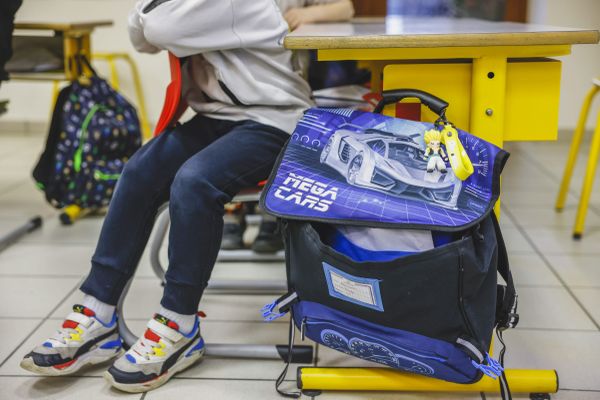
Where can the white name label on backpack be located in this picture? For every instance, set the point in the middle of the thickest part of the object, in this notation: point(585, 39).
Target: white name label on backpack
point(362, 291)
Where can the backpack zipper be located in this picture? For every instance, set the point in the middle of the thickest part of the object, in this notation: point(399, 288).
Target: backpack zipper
point(461, 304)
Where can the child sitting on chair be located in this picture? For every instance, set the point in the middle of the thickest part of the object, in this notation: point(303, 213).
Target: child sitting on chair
point(240, 81)
point(296, 13)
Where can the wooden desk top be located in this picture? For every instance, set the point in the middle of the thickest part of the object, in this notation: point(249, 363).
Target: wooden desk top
point(433, 32)
point(63, 26)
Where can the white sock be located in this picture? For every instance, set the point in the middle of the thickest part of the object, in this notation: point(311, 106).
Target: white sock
point(185, 322)
point(104, 312)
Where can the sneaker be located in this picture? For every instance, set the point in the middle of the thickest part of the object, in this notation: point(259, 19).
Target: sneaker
point(162, 352)
point(233, 236)
point(268, 239)
point(82, 340)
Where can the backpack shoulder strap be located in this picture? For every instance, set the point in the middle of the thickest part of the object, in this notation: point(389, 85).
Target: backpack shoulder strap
point(507, 299)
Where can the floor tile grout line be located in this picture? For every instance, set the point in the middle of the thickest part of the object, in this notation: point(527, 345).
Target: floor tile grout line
point(182, 378)
point(11, 188)
point(40, 323)
point(549, 174)
point(45, 276)
point(533, 286)
point(237, 321)
point(518, 328)
point(552, 269)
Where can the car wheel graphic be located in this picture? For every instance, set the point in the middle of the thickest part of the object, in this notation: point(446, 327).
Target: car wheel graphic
point(326, 151)
point(354, 169)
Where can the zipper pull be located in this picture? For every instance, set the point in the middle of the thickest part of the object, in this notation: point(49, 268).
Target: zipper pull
point(279, 307)
point(268, 312)
point(492, 368)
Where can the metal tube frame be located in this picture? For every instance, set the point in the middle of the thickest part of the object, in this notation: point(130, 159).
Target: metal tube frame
point(11, 237)
point(301, 354)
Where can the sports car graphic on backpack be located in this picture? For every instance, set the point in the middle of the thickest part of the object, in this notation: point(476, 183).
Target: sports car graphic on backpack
point(388, 163)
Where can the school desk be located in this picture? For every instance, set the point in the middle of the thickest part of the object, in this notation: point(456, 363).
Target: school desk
point(501, 85)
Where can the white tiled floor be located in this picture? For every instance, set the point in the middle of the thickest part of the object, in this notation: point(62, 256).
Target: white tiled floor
point(558, 281)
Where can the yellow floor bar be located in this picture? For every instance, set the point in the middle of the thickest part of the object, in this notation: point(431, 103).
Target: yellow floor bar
point(385, 379)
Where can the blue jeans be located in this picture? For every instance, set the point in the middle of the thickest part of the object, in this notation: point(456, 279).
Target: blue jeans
point(198, 167)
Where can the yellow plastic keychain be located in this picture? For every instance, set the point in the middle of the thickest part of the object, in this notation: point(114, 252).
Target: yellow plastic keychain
point(458, 157)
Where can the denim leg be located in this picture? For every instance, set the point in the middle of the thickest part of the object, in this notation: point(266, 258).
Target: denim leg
point(143, 186)
point(203, 185)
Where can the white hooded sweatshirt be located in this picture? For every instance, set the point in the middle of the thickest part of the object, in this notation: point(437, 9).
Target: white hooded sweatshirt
point(238, 68)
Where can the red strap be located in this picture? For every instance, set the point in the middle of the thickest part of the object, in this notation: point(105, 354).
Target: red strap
point(173, 106)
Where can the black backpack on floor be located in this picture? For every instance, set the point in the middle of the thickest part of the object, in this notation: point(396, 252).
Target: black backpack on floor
point(93, 132)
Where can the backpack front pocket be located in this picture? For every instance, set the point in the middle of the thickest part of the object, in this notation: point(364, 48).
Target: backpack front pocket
point(395, 348)
point(418, 293)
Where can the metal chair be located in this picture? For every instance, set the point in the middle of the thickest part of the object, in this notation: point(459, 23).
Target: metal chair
point(588, 181)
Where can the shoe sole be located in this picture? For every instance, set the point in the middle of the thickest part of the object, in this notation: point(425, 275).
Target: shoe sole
point(179, 366)
point(93, 357)
point(266, 248)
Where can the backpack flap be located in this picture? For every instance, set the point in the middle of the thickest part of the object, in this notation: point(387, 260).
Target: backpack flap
point(359, 168)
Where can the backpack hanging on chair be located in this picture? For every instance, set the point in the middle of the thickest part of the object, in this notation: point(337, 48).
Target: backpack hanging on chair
point(93, 132)
point(392, 246)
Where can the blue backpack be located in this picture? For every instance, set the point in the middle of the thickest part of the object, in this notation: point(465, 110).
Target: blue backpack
point(431, 310)
point(94, 131)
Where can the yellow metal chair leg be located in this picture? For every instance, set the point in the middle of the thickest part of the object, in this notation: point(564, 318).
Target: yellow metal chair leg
point(55, 92)
point(114, 75)
point(386, 379)
point(141, 103)
point(146, 132)
point(588, 182)
point(575, 145)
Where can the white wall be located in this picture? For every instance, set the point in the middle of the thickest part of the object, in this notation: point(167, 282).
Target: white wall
point(31, 101)
point(583, 63)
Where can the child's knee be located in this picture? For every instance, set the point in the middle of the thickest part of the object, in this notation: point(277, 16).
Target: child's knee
point(192, 188)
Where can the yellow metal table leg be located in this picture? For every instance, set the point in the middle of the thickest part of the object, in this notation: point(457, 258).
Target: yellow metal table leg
point(575, 145)
point(386, 379)
point(588, 182)
point(488, 94)
point(488, 100)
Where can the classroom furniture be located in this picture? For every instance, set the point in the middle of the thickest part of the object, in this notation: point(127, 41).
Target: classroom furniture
point(501, 86)
point(70, 42)
point(76, 42)
point(590, 171)
point(300, 354)
point(110, 58)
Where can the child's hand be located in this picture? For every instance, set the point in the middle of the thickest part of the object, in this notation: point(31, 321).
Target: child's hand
point(298, 16)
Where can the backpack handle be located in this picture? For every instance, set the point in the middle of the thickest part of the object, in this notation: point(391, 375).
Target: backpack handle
point(434, 103)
